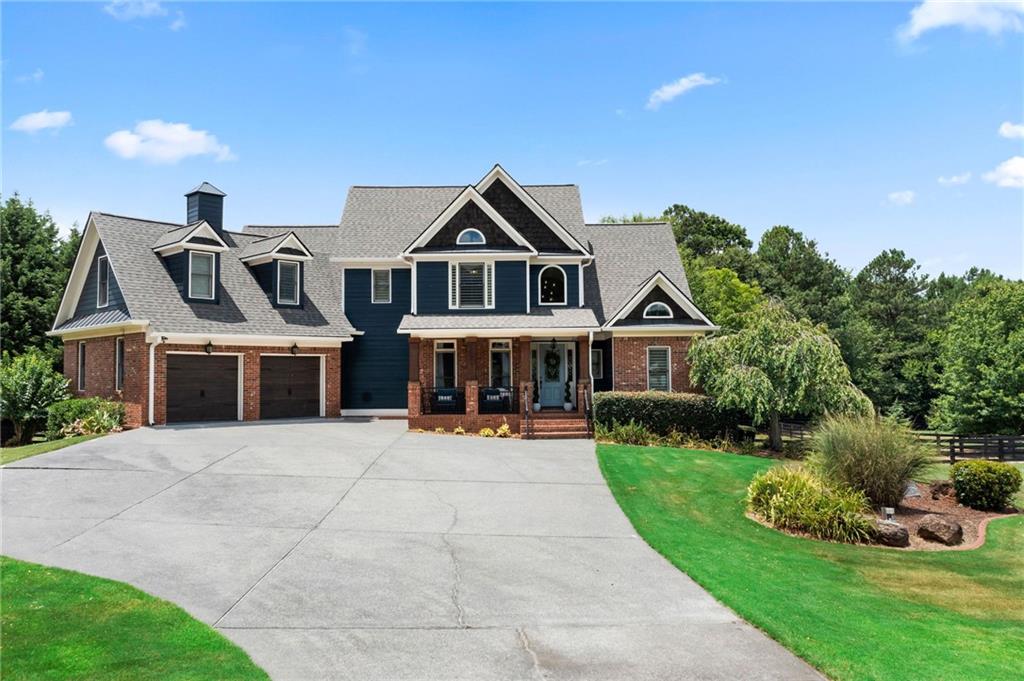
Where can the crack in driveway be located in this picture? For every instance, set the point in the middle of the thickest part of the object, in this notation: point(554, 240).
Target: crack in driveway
point(460, 613)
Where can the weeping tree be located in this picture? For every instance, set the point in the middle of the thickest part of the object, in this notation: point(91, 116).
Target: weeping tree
point(776, 364)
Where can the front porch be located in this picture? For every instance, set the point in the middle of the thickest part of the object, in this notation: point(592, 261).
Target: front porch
point(537, 386)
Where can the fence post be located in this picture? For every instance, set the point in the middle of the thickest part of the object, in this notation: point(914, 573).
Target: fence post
point(952, 451)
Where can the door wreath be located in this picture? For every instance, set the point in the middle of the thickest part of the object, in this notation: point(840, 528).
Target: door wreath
point(552, 360)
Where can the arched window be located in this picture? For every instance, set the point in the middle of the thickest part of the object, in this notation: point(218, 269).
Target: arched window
point(551, 284)
point(657, 311)
point(470, 237)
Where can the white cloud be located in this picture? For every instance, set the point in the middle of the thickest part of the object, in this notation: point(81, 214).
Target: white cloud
point(669, 91)
point(33, 77)
point(127, 10)
point(952, 180)
point(42, 120)
point(591, 162)
point(902, 198)
point(991, 16)
point(1012, 131)
point(157, 141)
point(1009, 173)
point(355, 41)
point(179, 22)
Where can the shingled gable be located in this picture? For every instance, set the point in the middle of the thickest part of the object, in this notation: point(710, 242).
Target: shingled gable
point(198, 235)
point(468, 196)
point(287, 246)
point(659, 281)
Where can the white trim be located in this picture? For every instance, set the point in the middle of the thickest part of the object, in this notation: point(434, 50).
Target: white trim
point(375, 412)
point(579, 270)
point(673, 292)
point(657, 303)
point(560, 259)
point(79, 273)
point(565, 286)
point(668, 361)
point(342, 301)
point(213, 275)
point(600, 353)
point(119, 363)
point(93, 331)
point(469, 230)
point(364, 263)
point(511, 360)
point(472, 256)
point(488, 283)
point(659, 330)
point(465, 196)
point(323, 375)
point(182, 243)
point(455, 363)
point(527, 287)
point(241, 374)
point(497, 172)
point(80, 367)
point(534, 332)
point(298, 283)
point(106, 303)
point(151, 389)
point(373, 286)
point(249, 339)
point(413, 290)
point(290, 241)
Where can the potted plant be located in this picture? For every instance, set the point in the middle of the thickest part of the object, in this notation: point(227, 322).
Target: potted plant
point(536, 397)
point(568, 395)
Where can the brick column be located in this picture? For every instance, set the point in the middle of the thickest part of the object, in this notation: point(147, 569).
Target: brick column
point(414, 359)
point(471, 360)
point(415, 399)
point(524, 358)
point(332, 383)
point(583, 358)
point(472, 409)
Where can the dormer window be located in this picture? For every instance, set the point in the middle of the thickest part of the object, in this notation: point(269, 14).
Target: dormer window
point(201, 269)
point(470, 237)
point(288, 283)
point(102, 281)
point(658, 311)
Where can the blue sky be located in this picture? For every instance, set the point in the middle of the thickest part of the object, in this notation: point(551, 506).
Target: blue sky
point(836, 119)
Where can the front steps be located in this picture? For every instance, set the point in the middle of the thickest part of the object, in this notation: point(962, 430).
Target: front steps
point(554, 426)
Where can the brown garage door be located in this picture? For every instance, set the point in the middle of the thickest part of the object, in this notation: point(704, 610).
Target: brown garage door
point(289, 387)
point(202, 388)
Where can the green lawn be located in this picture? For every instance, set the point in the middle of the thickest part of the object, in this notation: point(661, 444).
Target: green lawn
point(57, 624)
point(9, 454)
point(854, 612)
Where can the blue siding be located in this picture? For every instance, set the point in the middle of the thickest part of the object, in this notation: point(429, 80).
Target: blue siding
point(266, 277)
point(375, 366)
point(87, 301)
point(572, 284)
point(177, 267)
point(605, 383)
point(509, 288)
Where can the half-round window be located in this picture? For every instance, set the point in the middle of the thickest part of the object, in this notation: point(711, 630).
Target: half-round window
point(552, 285)
point(470, 237)
point(657, 311)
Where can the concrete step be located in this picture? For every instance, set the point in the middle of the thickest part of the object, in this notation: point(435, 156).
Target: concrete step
point(564, 423)
point(560, 435)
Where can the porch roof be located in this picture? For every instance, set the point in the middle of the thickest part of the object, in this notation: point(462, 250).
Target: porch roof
point(573, 319)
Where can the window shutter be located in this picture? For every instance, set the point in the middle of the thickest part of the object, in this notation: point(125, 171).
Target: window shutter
point(453, 282)
point(489, 283)
point(657, 369)
point(381, 286)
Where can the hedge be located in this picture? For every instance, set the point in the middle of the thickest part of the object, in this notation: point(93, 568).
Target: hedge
point(663, 413)
point(65, 412)
point(985, 485)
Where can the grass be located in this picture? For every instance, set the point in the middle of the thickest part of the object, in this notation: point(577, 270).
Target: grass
point(854, 612)
point(58, 624)
point(10, 454)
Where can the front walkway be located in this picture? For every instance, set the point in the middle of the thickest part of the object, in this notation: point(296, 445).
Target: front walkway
point(359, 551)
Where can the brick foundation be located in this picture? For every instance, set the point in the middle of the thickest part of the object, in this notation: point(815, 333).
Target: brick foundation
point(629, 361)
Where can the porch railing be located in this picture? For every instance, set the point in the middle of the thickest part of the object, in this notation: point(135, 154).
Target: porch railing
point(497, 401)
point(444, 401)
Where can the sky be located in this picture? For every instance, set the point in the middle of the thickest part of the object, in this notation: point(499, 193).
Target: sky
point(866, 126)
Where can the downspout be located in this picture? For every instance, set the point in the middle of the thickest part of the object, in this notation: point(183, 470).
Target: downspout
point(152, 374)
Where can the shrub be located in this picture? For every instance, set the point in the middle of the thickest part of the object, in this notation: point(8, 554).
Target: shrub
point(106, 418)
point(795, 498)
point(664, 413)
point(486, 432)
point(503, 431)
point(439, 430)
point(459, 430)
point(66, 412)
point(877, 456)
point(28, 386)
point(985, 485)
point(631, 433)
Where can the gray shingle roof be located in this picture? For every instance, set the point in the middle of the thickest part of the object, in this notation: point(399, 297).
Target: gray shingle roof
point(244, 308)
point(554, 318)
point(102, 318)
point(317, 238)
point(207, 188)
point(263, 246)
point(625, 257)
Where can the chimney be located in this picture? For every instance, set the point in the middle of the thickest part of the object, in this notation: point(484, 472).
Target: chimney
point(206, 202)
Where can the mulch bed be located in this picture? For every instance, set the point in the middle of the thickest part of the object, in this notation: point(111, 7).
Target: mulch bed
point(912, 509)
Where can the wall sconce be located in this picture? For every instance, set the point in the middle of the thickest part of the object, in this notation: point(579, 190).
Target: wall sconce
point(209, 347)
point(295, 348)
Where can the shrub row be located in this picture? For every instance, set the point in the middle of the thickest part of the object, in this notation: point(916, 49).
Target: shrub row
point(985, 485)
point(663, 413)
point(80, 416)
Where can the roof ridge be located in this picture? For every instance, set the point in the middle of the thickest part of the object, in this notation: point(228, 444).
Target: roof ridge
point(446, 186)
point(625, 224)
point(155, 222)
point(292, 226)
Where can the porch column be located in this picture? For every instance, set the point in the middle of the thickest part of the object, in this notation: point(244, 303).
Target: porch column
point(471, 360)
point(472, 408)
point(414, 359)
point(414, 394)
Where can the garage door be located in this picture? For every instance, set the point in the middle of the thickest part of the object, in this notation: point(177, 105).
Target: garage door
point(202, 388)
point(289, 387)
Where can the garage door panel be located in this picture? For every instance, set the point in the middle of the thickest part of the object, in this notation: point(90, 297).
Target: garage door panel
point(202, 388)
point(289, 387)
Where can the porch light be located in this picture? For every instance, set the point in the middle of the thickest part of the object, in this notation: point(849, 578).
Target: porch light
point(209, 347)
point(295, 348)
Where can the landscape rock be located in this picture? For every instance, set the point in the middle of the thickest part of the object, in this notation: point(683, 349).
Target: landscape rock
point(912, 490)
point(889, 533)
point(942, 488)
point(936, 528)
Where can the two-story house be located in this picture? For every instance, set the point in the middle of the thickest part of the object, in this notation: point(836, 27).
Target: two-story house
point(449, 305)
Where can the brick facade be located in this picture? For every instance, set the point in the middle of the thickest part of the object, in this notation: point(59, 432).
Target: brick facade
point(99, 374)
point(629, 361)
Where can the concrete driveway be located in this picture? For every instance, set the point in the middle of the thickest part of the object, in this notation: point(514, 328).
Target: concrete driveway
point(360, 551)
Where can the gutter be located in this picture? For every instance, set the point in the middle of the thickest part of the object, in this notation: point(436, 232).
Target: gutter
point(152, 375)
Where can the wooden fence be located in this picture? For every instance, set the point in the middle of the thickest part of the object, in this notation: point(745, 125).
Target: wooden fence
point(951, 445)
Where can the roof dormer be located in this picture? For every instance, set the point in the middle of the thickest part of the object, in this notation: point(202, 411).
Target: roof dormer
point(192, 255)
point(279, 263)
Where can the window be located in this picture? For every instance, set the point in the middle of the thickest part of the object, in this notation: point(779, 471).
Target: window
point(552, 285)
point(119, 364)
point(597, 363)
point(287, 282)
point(102, 281)
point(200, 275)
point(501, 364)
point(470, 237)
point(381, 286)
point(444, 364)
point(471, 285)
point(657, 311)
point(659, 369)
point(81, 365)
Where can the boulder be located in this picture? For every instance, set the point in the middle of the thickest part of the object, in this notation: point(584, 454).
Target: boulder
point(889, 533)
point(942, 488)
point(939, 529)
